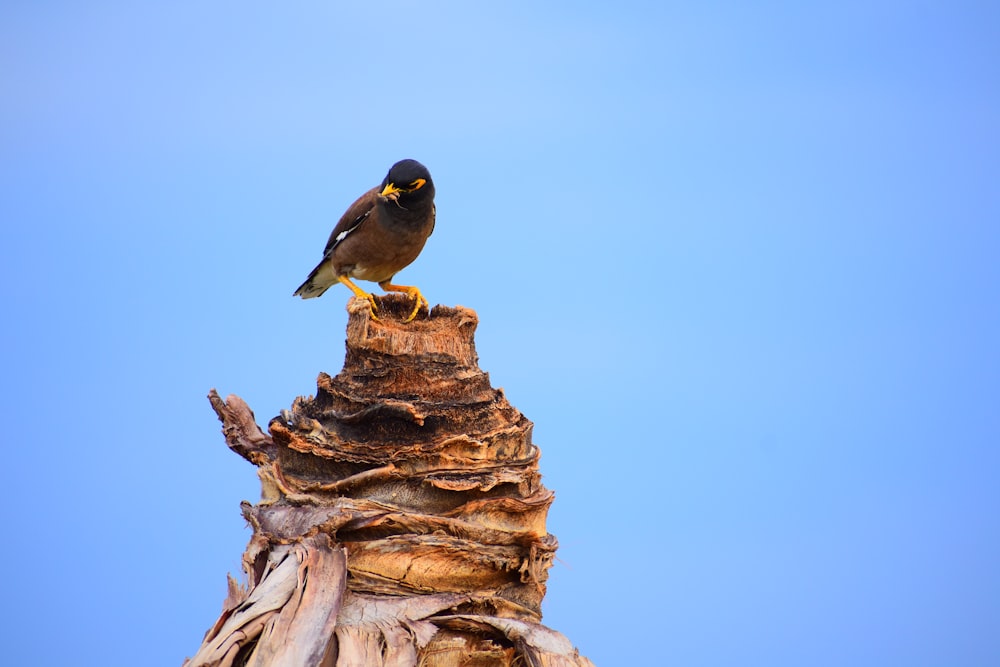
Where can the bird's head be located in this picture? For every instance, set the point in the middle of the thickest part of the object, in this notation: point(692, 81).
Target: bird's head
point(407, 180)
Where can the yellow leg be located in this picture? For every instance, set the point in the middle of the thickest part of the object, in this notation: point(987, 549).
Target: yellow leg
point(412, 291)
point(360, 293)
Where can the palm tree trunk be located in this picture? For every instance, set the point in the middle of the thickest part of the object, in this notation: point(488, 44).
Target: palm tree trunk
point(402, 519)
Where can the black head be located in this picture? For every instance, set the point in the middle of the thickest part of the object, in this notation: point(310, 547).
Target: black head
point(408, 180)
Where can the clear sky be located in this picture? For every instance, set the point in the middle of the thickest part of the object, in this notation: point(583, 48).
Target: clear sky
point(739, 262)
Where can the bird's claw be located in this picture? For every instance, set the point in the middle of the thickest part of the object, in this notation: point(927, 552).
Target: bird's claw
point(414, 292)
point(418, 300)
point(372, 307)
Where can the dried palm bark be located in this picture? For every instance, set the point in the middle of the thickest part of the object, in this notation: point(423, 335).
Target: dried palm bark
point(402, 519)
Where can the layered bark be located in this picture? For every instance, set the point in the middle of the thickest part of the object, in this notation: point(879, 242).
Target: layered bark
point(402, 519)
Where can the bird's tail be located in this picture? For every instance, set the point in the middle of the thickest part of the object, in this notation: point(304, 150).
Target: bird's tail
point(313, 286)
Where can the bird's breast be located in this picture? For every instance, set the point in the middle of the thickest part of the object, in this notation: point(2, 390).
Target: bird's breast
point(385, 245)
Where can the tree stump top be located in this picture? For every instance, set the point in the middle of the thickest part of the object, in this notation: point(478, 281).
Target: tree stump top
point(411, 486)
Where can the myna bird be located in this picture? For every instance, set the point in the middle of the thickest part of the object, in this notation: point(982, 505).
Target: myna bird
point(382, 232)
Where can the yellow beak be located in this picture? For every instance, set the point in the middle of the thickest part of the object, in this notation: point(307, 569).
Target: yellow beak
point(391, 191)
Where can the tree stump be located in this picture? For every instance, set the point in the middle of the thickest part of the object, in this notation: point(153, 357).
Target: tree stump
point(402, 519)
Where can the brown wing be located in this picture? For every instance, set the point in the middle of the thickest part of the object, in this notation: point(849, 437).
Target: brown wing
point(323, 276)
point(358, 212)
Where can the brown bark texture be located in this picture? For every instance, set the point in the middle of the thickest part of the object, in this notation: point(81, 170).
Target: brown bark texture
point(402, 519)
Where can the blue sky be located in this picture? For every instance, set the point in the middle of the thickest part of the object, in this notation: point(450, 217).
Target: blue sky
point(737, 261)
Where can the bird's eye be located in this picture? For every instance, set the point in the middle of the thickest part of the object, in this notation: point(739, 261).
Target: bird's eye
point(417, 184)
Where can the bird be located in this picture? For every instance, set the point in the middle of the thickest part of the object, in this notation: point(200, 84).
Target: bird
point(380, 234)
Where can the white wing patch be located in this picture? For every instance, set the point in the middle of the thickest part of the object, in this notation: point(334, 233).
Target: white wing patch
point(343, 235)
